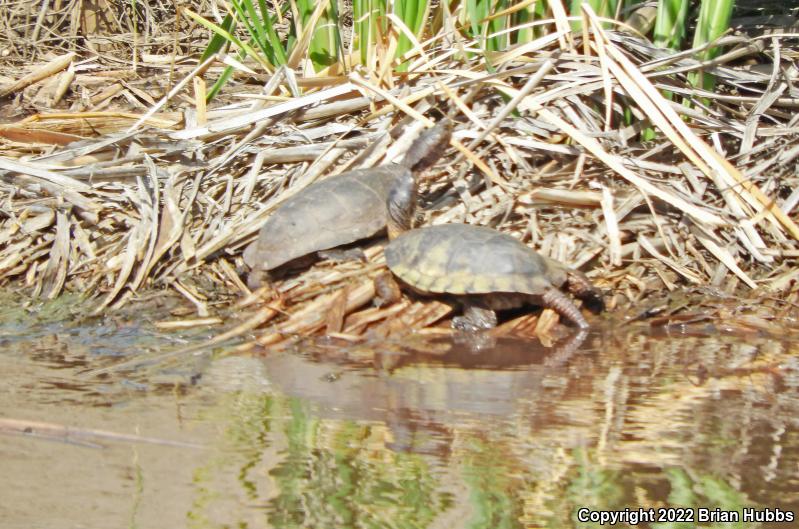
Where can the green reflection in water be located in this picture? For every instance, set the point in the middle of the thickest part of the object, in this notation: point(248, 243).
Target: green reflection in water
point(706, 492)
point(585, 483)
point(493, 489)
point(204, 496)
point(247, 420)
point(302, 471)
point(589, 484)
point(593, 484)
point(295, 467)
point(337, 474)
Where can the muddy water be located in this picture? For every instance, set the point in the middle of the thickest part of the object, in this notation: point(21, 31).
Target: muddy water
point(419, 432)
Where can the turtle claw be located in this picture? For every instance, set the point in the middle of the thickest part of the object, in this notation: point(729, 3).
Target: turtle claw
point(463, 324)
point(475, 319)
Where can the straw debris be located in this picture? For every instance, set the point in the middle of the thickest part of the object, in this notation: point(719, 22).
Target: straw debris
point(138, 185)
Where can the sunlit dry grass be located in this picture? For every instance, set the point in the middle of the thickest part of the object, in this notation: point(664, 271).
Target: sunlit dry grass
point(140, 185)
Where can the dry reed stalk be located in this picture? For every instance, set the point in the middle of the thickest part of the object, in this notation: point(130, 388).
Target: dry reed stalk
point(40, 73)
point(71, 434)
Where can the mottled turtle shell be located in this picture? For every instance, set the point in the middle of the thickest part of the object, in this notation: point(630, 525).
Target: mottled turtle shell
point(464, 259)
point(336, 211)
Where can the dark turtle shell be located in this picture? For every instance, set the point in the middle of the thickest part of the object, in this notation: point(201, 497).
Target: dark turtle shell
point(342, 209)
point(336, 211)
point(463, 259)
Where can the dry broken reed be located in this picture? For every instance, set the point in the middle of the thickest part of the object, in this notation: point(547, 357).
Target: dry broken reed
point(139, 185)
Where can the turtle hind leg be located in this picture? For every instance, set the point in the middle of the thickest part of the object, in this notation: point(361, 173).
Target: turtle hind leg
point(558, 301)
point(582, 288)
point(475, 318)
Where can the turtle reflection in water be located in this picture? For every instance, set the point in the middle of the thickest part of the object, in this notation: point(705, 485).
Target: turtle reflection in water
point(339, 210)
point(487, 270)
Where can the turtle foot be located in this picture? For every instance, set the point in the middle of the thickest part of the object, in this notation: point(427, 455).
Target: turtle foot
point(475, 319)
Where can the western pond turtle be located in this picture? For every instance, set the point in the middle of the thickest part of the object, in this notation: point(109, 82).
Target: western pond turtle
point(485, 269)
point(339, 210)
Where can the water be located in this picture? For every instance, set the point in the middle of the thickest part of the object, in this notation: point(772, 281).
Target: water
point(416, 433)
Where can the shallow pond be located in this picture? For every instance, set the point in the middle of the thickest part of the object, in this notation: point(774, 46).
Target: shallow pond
point(422, 432)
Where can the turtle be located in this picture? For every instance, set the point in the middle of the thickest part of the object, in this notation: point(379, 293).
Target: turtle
point(484, 269)
point(339, 210)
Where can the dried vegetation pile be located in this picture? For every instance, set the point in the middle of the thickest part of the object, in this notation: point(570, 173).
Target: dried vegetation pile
point(119, 177)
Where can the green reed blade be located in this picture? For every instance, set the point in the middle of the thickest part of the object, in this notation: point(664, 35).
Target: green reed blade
point(411, 12)
point(670, 23)
point(218, 42)
point(714, 20)
point(227, 35)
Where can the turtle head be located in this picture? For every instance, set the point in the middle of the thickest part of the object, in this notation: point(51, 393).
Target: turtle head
point(250, 255)
point(256, 275)
point(256, 257)
point(429, 146)
point(401, 204)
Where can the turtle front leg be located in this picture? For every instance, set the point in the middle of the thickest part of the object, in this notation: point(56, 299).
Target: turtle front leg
point(475, 319)
point(387, 291)
point(558, 301)
point(341, 254)
point(257, 278)
point(582, 288)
